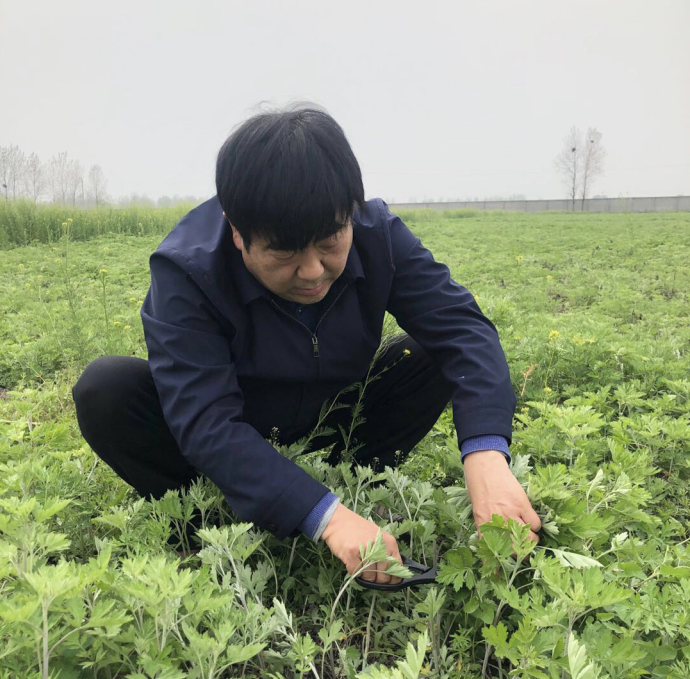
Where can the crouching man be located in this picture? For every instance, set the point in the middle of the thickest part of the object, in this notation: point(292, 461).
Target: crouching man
point(266, 301)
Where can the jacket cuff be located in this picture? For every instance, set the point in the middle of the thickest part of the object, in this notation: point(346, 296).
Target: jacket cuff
point(314, 523)
point(485, 421)
point(484, 442)
point(284, 515)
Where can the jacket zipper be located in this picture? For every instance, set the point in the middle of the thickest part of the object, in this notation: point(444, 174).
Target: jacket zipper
point(314, 338)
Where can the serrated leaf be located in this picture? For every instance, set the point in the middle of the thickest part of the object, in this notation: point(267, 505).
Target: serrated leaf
point(572, 560)
point(578, 662)
point(675, 571)
point(497, 636)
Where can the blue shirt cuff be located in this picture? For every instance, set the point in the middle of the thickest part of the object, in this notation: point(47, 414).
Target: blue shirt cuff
point(488, 442)
point(313, 523)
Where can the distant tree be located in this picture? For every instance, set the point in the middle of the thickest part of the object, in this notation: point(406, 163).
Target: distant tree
point(593, 155)
point(136, 199)
point(34, 177)
point(97, 184)
point(58, 169)
point(75, 179)
point(16, 166)
point(569, 163)
point(5, 170)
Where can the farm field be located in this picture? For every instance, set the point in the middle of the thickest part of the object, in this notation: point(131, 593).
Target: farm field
point(592, 313)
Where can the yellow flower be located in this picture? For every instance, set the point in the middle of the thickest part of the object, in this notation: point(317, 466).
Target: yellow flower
point(117, 324)
point(407, 352)
point(70, 220)
point(127, 327)
point(519, 259)
point(132, 299)
point(549, 277)
point(476, 298)
point(106, 249)
point(582, 340)
point(40, 277)
point(27, 285)
point(554, 334)
point(21, 266)
point(516, 337)
point(65, 224)
point(57, 259)
point(524, 409)
point(103, 271)
point(140, 302)
point(548, 390)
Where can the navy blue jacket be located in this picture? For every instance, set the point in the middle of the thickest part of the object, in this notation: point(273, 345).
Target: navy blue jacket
point(215, 339)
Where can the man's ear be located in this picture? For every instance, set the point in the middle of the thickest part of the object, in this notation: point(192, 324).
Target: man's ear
point(236, 238)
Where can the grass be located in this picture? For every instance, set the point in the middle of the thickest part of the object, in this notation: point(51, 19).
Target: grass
point(592, 312)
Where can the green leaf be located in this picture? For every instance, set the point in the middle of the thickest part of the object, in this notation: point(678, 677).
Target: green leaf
point(626, 651)
point(497, 636)
point(578, 663)
point(677, 572)
point(570, 559)
point(236, 653)
point(49, 510)
point(328, 636)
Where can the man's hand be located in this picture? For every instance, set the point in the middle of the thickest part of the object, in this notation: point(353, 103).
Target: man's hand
point(494, 490)
point(346, 531)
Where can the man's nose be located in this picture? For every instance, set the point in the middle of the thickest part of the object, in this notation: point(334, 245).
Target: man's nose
point(310, 267)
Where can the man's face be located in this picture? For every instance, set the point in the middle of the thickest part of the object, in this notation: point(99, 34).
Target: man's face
point(303, 276)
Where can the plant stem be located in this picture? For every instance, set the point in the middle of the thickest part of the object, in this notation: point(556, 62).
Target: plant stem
point(46, 653)
point(368, 635)
point(497, 617)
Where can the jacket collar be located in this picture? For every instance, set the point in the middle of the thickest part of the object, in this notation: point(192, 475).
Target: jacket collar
point(249, 288)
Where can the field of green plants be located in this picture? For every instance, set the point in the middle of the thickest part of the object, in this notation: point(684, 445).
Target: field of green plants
point(592, 312)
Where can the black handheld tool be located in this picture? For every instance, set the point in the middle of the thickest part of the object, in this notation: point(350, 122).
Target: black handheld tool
point(423, 576)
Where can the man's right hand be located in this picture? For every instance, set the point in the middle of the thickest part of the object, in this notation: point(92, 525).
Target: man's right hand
point(344, 534)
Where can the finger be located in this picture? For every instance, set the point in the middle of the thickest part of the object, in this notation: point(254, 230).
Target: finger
point(391, 550)
point(381, 576)
point(532, 518)
point(369, 573)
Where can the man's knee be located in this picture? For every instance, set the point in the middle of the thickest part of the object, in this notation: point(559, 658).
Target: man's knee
point(106, 382)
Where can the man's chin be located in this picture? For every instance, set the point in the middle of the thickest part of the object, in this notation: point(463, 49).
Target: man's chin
point(305, 298)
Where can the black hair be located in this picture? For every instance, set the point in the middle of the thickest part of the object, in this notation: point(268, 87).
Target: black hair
point(289, 177)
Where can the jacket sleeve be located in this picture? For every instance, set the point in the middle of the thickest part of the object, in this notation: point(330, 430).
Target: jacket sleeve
point(445, 320)
point(190, 358)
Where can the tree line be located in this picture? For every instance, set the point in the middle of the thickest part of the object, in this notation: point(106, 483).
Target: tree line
point(65, 181)
point(61, 179)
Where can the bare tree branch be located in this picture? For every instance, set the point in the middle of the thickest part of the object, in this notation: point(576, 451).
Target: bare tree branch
point(57, 177)
point(75, 177)
point(569, 162)
point(97, 184)
point(592, 161)
point(5, 170)
point(17, 166)
point(35, 177)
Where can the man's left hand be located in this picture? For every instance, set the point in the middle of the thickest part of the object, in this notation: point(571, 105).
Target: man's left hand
point(493, 489)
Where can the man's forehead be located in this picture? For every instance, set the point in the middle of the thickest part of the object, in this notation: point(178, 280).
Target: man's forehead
point(265, 245)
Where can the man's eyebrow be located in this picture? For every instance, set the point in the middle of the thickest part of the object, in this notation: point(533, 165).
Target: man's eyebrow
point(273, 246)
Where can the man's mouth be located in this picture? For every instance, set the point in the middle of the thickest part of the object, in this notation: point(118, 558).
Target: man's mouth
point(310, 291)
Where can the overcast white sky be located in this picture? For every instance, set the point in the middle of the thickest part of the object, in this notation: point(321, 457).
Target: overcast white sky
point(442, 100)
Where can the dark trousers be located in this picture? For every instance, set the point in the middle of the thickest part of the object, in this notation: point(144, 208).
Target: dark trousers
point(120, 416)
